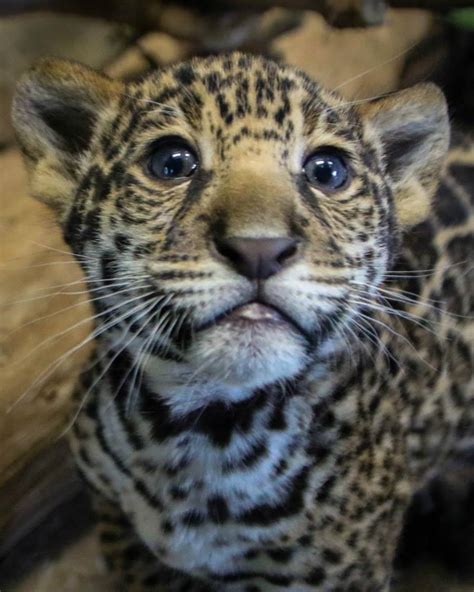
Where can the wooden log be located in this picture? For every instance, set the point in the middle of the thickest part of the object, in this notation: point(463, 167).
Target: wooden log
point(33, 494)
point(42, 509)
point(38, 309)
point(44, 315)
point(37, 476)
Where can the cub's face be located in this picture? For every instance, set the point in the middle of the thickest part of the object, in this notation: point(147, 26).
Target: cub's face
point(229, 207)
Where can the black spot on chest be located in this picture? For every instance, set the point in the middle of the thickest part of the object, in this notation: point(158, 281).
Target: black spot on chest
point(217, 509)
point(218, 421)
point(288, 506)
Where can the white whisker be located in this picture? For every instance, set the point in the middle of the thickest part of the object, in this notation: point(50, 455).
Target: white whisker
point(63, 292)
point(79, 324)
point(52, 367)
point(88, 301)
point(107, 367)
point(376, 66)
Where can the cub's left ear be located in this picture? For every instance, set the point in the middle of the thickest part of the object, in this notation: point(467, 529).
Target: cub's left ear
point(413, 127)
point(55, 110)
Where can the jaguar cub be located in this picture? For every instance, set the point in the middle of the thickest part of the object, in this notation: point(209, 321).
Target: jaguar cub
point(283, 305)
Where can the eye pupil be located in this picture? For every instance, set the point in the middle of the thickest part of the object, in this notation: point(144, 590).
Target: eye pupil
point(172, 159)
point(326, 170)
point(174, 165)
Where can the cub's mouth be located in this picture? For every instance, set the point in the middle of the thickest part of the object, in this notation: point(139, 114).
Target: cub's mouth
point(247, 346)
point(255, 315)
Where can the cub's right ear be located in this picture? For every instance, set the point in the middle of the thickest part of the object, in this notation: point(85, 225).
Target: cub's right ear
point(413, 127)
point(55, 110)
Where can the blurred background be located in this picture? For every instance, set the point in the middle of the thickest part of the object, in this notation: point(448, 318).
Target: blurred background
point(362, 48)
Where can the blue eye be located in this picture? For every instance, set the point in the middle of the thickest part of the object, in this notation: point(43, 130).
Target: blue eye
point(326, 169)
point(172, 159)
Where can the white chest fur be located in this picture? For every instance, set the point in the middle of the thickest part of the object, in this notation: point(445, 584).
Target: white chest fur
point(193, 500)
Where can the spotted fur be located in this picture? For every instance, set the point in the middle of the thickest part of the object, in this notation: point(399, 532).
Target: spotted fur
point(240, 458)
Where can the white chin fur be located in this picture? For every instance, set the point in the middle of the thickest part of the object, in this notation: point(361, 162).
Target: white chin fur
point(247, 357)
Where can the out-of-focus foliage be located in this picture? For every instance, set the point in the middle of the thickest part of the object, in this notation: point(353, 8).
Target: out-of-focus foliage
point(463, 18)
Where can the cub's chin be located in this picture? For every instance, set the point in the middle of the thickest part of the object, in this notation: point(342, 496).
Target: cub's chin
point(252, 347)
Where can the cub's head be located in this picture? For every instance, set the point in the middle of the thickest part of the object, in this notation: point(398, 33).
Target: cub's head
point(228, 206)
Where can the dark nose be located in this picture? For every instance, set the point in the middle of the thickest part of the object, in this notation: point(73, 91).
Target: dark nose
point(257, 258)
